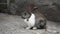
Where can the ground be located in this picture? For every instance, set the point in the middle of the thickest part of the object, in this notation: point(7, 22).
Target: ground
point(12, 24)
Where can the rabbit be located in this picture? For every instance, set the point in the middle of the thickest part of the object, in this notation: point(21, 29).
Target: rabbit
point(34, 20)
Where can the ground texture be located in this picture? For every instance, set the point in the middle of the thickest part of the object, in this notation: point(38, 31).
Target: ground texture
point(12, 24)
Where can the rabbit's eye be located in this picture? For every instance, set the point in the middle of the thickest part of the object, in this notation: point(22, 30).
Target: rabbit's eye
point(24, 13)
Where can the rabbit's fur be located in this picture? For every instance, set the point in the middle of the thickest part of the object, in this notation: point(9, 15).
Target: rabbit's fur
point(34, 20)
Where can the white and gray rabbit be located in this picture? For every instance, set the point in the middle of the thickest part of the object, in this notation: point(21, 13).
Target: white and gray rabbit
point(34, 20)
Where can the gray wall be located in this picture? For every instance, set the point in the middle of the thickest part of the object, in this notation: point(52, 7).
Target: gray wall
point(50, 8)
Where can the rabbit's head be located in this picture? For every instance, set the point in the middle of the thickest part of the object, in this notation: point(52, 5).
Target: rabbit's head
point(28, 11)
point(25, 15)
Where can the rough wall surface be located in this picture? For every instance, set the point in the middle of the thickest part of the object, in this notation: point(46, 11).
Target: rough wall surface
point(50, 8)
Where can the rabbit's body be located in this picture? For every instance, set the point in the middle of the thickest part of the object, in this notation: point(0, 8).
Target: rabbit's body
point(34, 18)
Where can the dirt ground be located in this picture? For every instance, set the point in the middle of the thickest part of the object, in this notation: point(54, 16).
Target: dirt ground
point(12, 24)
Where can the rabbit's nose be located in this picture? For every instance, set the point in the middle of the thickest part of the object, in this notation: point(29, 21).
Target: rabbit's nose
point(27, 19)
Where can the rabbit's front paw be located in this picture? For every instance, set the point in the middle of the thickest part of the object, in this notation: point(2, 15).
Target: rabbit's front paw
point(34, 28)
point(28, 27)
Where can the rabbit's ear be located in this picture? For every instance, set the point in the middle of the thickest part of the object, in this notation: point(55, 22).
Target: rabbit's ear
point(32, 7)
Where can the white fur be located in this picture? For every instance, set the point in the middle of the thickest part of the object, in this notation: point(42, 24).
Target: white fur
point(31, 21)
